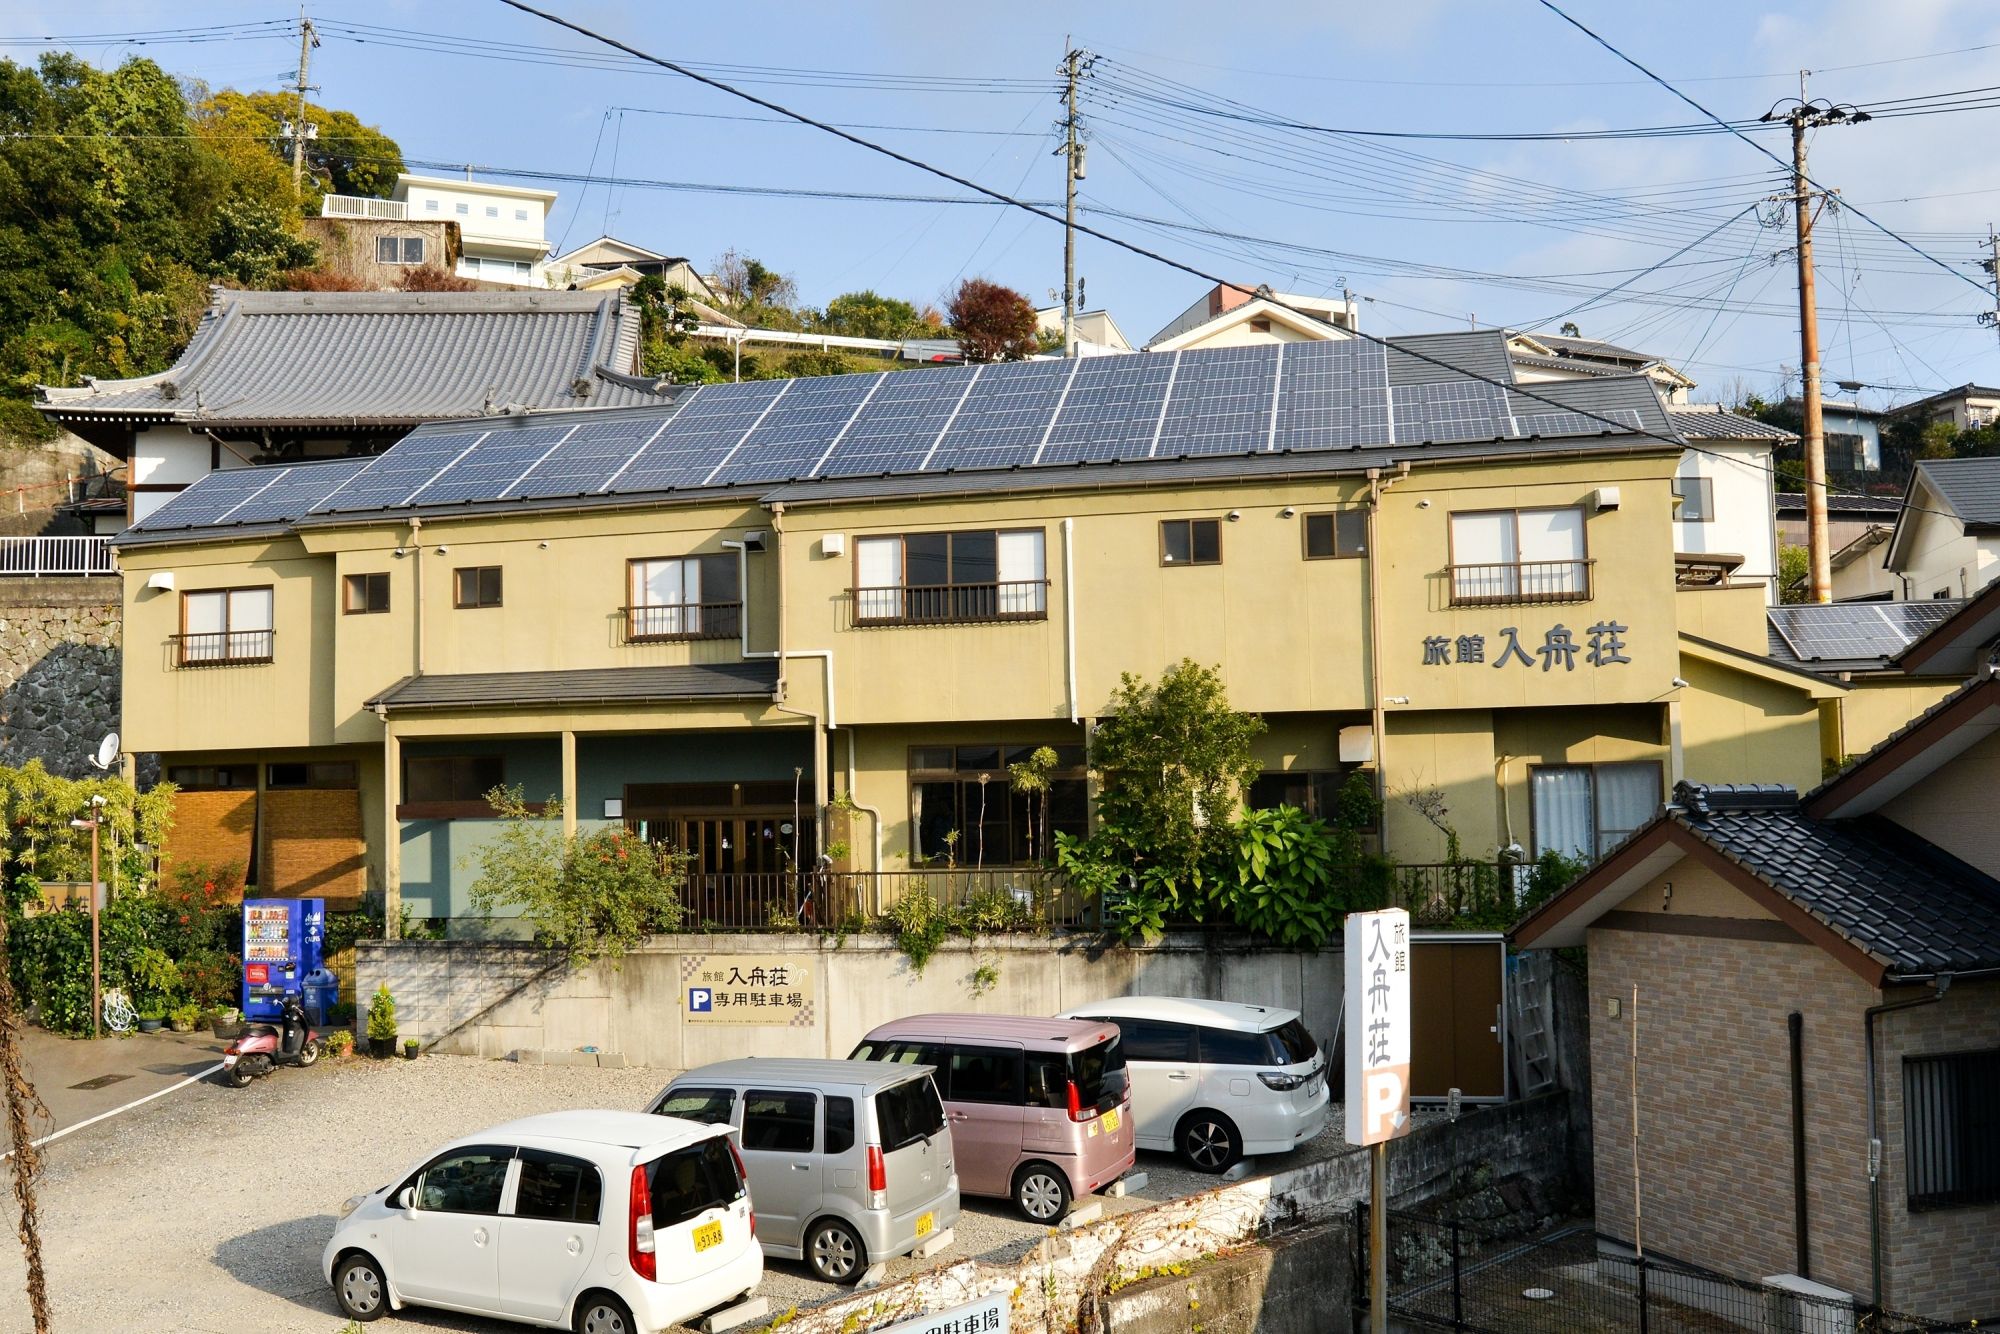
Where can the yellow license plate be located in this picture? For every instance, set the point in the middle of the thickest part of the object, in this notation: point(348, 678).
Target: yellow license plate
point(925, 1222)
point(708, 1236)
point(1111, 1120)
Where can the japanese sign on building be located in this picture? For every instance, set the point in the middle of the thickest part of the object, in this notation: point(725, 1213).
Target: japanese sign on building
point(988, 1315)
point(748, 989)
point(1559, 649)
point(1375, 954)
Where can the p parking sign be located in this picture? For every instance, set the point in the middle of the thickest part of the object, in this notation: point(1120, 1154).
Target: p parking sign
point(1376, 959)
point(701, 1000)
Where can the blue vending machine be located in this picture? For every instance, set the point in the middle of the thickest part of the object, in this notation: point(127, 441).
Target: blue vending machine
point(282, 941)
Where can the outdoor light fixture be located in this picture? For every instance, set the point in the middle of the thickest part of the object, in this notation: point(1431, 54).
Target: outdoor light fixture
point(1397, 699)
point(1287, 512)
point(1679, 683)
point(1234, 515)
point(1424, 504)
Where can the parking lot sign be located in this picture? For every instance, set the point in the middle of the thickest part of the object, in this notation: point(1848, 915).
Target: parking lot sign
point(1376, 960)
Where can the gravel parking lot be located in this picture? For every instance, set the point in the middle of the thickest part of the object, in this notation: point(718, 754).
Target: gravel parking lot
point(207, 1210)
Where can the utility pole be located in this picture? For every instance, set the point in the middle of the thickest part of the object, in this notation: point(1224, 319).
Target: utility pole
point(1992, 266)
point(1076, 64)
point(1805, 115)
point(308, 39)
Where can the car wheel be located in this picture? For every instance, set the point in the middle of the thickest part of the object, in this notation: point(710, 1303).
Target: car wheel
point(1208, 1142)
point(359, 1288)
point(835, 1252)
point(1041, 1193)
point(309, 1053)
point(601, 1313)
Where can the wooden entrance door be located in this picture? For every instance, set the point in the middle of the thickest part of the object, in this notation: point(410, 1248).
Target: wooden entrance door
point(1456, 1013)
point(746, 848)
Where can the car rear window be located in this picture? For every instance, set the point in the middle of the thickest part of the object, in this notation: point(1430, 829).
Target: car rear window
point(1099, 1073)
point(908, 1112)
point(1229, 1046)
point(1291, 1044)
point(690, 1181)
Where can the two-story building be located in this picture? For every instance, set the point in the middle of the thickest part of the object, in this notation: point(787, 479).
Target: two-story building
point(715, 620)
point(503, 229)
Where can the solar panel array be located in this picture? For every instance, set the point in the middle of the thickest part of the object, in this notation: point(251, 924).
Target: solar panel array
point(1201, 403)
point(1840, 631)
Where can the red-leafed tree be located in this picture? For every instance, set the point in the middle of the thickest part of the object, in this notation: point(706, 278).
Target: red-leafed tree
point(991, 322)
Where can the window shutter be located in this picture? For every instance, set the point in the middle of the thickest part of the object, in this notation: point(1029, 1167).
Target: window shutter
point(879, 578)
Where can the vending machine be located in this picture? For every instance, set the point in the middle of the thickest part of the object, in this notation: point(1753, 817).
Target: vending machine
point(282, 944)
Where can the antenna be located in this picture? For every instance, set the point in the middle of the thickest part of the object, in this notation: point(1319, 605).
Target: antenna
point(107, 752)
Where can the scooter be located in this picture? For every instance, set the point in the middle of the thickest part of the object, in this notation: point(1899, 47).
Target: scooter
point(263, 1048)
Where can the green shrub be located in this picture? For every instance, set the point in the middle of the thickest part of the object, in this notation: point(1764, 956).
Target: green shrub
point(382, 1015)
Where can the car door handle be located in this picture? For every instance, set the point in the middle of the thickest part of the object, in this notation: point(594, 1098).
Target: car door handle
point(802, 1167)
point(959, 1116)
point(479, 1236)
point(1175, 1074)
point(574, 1245)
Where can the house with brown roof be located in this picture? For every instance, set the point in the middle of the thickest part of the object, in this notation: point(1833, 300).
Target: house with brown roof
point(1795, 1023)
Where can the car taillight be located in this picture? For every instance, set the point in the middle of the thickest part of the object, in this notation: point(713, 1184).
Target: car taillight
point(742, 1177)
point(1278, 1079)
point(878, 1177)
point(1076, 1104)
point(644, 1263)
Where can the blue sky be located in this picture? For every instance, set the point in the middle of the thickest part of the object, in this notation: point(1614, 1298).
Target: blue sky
point(1430, 234)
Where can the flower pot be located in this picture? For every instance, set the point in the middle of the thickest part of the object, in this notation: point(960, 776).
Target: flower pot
point(151, 1025)
point(412, 1049)
point(381, 1048)
point(229, 1029)
point(180, 1026)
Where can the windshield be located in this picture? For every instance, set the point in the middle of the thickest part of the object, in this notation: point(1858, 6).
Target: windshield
point(908, 1112)
point(1291, 1044)
point(1099, 1074)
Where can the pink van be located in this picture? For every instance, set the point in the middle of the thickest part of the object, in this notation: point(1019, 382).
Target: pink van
point(1040, 1108)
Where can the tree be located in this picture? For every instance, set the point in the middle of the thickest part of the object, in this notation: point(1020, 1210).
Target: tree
point(346, 157)
point(747, 286)
point(1793, 572)
point(1569, 330)
point(868, 314)
point(991, 322)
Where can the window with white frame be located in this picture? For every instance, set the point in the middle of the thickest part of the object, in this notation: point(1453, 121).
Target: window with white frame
point(1499, 557)
point(1697, 496)
point(463, 210)
point(683, 597)
point(492, 210)
point(225, 625)
point(919, 578)
point(399, 250)
point(430, 206)
point(1586, 810)
point(520, 215)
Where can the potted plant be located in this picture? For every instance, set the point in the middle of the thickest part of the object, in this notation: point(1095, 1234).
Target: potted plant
point(412, 1048)
point(182, 1017)
point(227, 1023)
point(338, 1043)
point(152, 1017)
point(382, 1024)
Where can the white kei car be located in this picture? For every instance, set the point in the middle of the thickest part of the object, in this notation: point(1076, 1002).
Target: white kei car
point(603, 1222)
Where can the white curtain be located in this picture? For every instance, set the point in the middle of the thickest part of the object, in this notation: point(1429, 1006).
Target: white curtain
point(206, 616)
point(1628, 795)
point(1552, 535)
point(664, 586)
point(1022, 574)
point(879, 576)
point(1564, 821)
point(1484, 541)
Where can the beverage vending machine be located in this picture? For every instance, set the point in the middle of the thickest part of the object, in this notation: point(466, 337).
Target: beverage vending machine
point(282, 940)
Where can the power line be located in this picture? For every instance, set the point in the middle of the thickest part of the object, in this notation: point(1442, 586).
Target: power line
point(846, 125)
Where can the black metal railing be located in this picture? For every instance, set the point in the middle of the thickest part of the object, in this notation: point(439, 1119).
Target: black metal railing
point(223, 648)
point(657, 621)
point(1519, 583)
point(946, 604)
point(989, 900)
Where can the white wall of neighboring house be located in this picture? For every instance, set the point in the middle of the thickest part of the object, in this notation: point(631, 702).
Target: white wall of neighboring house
point(1861, 576)
point(503, 228)
point(172, 456)
point(1739, 484)
point(1938, 558)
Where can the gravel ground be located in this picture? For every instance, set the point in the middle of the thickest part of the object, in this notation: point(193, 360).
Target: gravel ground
point(207, 1210)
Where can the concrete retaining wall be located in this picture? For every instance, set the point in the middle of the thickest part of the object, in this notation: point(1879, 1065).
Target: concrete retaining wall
point(59, 670)
point(1300, 1283)
point(490, 999)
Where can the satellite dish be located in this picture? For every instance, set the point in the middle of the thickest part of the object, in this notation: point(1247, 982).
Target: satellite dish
point(107, 751)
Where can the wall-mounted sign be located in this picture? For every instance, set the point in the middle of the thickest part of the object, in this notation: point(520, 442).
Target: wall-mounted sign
point(748, 989)
point(1375, 955)
point(988, 1315)
point(1603, 645)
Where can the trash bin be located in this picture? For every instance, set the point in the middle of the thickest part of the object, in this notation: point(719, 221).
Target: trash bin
point(321, 992)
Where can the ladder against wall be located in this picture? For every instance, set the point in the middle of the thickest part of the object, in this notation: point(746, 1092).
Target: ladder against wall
point(1530, 1021)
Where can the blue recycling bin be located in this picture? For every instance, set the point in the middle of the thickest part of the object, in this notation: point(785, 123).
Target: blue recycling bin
point(321, 992)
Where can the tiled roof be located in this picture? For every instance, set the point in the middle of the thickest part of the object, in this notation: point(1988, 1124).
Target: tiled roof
point(1577, 364)
point(1900, 899)
point(608, 685)
point(1793, 504)
point(1712, 423)
point(381, 358)
point(1970, 486)
point(1591, 347)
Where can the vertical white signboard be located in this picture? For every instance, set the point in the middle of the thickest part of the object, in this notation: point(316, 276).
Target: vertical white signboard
point(1376, 955)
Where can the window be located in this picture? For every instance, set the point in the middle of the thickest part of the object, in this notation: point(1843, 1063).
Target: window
point(1314, 791)
point(463, 210)
point(903, 1051)
point(1290, 1043)
point(687, 597)
point(399, 250)
point(492, 210)
point(363, 593)
point(963, 806)
point(1227, 1046)
point(1099, 1074)
point(210, 777)
point(1697, 499)
point(907, 1113)
point(839, 1133)
point(939, 578)
point(1048, 1079)
point(689, 1182)
point(225, 625)
point(330, 774)
point(709, 1106)
point(985, 1074)
point(467, 1181)
point(520, 215)
point(476, 586)
point(430, 206)
point(1147, 1040)
point(1951, 1128)
point(779, 1122)
point(1502, 557)
point(558, 1188)
point(1190, 541)
point(1336, 536)
point(431, 778)
point(1585, 810)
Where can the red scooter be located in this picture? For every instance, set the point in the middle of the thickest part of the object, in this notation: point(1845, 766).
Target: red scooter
point(263, 1048)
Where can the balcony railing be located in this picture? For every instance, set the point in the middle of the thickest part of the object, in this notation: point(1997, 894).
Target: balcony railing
point(1520, 583)
point(947, 604)
point(40, 557)
point(665, 621)
point(1001, 898)
point(225, 648)
point(360, 206)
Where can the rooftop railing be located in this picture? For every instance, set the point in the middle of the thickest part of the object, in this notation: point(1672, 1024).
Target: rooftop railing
point(362, 206)
point(40, 557)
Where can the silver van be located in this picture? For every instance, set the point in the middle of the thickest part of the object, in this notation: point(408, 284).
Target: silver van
point(850, 1162)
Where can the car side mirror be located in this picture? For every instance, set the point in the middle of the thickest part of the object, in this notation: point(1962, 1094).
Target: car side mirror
point(407, 1199)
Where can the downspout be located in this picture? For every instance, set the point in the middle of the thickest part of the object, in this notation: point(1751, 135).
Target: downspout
point(417, 594)
point(1378, 720)
point(1942, 985)
point(1795, 1023)
point(821, 726)
point(1069, 613)
point(873, 813)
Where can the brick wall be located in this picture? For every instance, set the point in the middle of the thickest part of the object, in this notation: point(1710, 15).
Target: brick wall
point(1714, 1075)
point(313, 846)
point(1936, 1262)
point(211, 828)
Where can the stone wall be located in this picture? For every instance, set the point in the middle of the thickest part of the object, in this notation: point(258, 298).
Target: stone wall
point(59, 670)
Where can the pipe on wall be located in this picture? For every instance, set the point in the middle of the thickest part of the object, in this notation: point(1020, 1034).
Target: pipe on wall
point(1069, 613)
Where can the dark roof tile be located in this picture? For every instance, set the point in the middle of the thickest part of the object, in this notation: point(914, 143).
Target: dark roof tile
point(608, 685)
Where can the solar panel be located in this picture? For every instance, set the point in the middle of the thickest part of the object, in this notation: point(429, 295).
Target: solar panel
point(293, 491)
point(700, 436)
point(1848, 630)
point(1332, 396)
point(584, 461)
point(1003, 418)
point(389, 479)
point(208, 499)
point(895, 431)
point(789, 441)
point(1111, 410)
point(1559, 423)
point(1221, 402)
point(492, 466)
point(1449, 410)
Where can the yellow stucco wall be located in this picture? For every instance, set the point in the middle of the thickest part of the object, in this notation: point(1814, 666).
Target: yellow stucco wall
point(1739, 728)
point(1873, 708)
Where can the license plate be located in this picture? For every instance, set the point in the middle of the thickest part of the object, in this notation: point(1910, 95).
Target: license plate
point(708, 1236)
point(1111, 1120)
point(925, 1222)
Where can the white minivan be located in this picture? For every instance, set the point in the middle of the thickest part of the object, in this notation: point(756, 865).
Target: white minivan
point(1214, 1080)
point(602, 1222)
